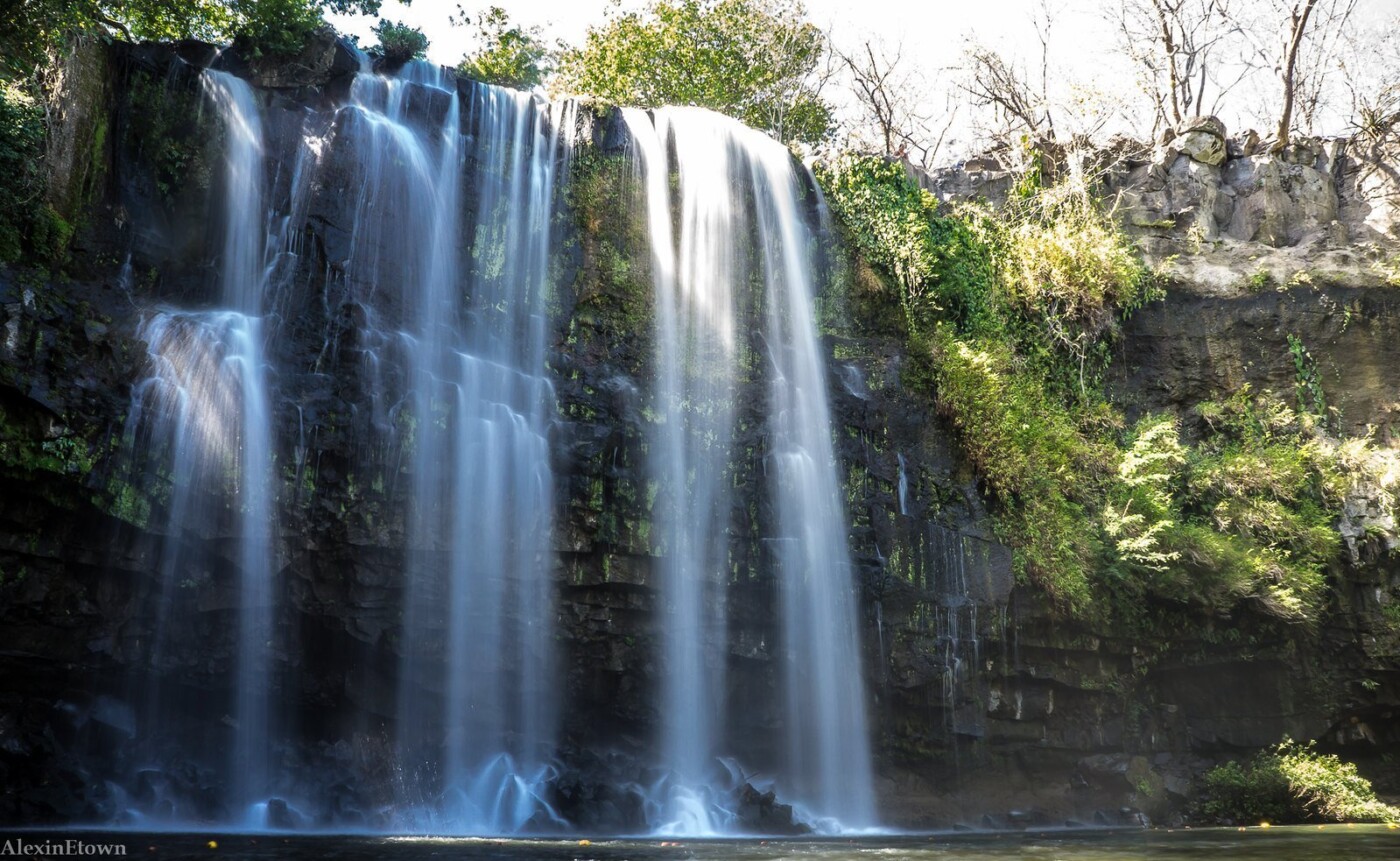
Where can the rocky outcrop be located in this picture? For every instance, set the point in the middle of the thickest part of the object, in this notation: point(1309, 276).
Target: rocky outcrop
point(1223, 214)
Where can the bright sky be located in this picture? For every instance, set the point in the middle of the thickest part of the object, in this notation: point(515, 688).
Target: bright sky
point(935, 27)
point(933, 33)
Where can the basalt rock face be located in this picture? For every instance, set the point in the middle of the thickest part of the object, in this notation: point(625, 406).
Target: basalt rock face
point(988, 708)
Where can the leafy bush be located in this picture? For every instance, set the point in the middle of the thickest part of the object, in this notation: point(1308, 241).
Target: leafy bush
point(399, 43)
point(943, 265)
point(1293, 783)
point(1141, 511)
point(1067, 259)
point(1262, 481)
point(29, 227)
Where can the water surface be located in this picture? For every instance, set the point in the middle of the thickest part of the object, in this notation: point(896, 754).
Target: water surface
point(1302, 843)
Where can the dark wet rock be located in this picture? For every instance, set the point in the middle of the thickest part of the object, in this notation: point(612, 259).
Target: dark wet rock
point(761, 813)
point(279, 815)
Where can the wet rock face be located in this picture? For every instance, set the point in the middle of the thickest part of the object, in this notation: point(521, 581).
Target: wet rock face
point(988, 708)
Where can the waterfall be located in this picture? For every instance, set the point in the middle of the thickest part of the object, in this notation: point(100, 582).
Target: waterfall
point(903, 487)
point(242, 270)
point(828, 740)
point(432, 202)
point(477, 703)
point(204, 409)
point(695, 273)
point(733, 183)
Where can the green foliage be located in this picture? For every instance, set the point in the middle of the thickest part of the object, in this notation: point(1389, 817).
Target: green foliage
point(1070, 272)
point(1266, 486)
point(509, 56)
point(274, 27)
point(399, 43)
point(1141, 510)
point(21, 187)
point(754, 60)
point(1031, 455)
point(1010, 314)
point(37, 29)
point(1293, 783)
point(942, 265)
point(25, 451)
point(1259, 281)
point(30, 30)
point(163, 20)
point(1308, 382)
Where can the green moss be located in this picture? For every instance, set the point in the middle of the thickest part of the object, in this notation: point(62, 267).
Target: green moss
point(613, 285)
point(126, 502)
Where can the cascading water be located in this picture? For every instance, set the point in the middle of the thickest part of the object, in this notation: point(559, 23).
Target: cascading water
point(695, 274)
point(204, 405)
point(477, 704)
point(437, 199)
point(698, 272)
point(828, 740)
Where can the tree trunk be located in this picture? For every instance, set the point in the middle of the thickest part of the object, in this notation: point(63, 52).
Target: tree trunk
point(1290, 62)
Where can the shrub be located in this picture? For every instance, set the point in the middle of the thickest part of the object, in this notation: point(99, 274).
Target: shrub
point(1292, 783)
point(1066, 258)
point(399, 43)
point(1142, 510)
point(1261, 480)
point(943, 265)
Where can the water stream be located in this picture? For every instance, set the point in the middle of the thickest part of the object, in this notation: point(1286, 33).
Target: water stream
point(733, 183)
point(446, 262)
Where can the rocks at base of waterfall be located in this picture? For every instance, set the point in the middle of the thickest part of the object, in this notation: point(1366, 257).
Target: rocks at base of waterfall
point(279, 815)
point(760, 812)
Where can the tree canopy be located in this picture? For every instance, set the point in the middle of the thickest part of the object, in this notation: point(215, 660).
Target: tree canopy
point(756, 60)
point(30, 28)
point(509, 55)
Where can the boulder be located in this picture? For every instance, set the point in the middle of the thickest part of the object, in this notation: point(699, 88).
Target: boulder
point(1202, 139)
point(761, 812)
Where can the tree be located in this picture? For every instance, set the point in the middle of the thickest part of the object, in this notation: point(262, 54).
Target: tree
point(756, 60)
point(1313, 32)
point(1181, 48)
point(890, 95)
point(510, 56)
point(32, 29)
point(996, 83)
